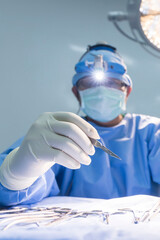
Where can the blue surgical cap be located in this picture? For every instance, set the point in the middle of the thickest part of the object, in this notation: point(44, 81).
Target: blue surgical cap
point(116, 67)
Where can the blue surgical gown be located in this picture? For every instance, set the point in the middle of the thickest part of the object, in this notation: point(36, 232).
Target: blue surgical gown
point(136, 139)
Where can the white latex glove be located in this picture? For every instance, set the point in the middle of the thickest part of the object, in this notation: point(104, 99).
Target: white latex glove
point(59, 137)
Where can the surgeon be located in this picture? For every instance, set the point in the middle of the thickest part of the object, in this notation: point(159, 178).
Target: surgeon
point(57, 158)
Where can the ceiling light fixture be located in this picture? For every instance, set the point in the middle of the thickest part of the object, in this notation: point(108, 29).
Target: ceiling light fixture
point(143, 17)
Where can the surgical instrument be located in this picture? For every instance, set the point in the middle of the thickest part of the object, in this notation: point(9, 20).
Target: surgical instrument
point(98, 144)
point(151, 213)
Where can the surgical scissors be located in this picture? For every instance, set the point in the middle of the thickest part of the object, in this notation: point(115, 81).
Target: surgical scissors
point(98, 144)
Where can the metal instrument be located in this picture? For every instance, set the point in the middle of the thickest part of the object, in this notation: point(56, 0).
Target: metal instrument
point(98, 144)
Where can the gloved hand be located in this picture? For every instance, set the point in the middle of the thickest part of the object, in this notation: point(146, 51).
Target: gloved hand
point(58, 137)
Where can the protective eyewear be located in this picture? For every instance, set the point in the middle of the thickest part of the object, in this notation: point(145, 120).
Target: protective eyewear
point(90, 82)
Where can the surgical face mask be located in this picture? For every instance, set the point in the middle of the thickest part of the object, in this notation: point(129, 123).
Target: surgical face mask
point(102, 103)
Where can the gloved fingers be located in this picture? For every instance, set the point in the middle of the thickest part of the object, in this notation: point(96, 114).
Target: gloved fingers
point(73, 132)
point(54, 155)
point(77, 120)
point(65, 160)
point(67, 146)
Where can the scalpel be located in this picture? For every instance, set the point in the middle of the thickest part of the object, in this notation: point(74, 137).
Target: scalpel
point(98, 144)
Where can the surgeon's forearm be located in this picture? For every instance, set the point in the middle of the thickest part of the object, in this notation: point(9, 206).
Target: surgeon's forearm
point(40, 189)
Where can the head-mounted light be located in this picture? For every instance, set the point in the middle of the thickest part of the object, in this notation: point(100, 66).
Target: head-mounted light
point(100, 61)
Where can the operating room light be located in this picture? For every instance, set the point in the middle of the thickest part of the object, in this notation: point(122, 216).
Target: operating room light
point(143, 17)
point(150, 21)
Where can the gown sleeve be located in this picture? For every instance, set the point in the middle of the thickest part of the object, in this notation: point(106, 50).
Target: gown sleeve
point(154, 152)
point(44, 186)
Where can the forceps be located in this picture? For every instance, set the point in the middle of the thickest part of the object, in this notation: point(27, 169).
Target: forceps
point(98, 144)
point(151, 213)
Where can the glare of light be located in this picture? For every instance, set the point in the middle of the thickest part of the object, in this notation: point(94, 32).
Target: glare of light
point(150, 20)
point(98, 75)
point(77, 48)
point(129, 60)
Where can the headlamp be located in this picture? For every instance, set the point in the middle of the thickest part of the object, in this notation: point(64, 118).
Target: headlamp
point(101, 61)
point(98, 75)
point(99, 68)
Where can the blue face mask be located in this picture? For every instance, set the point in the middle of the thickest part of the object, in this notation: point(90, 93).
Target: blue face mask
point(103, 104)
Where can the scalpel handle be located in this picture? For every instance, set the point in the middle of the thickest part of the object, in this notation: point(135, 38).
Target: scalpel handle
point(98, 144)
